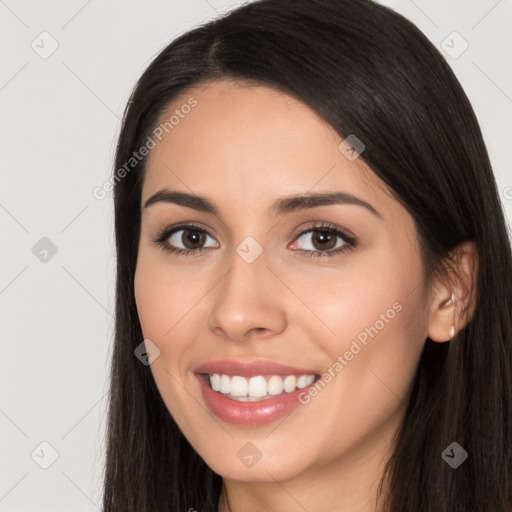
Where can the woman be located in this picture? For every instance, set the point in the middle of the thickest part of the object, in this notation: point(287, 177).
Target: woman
point(314, 275)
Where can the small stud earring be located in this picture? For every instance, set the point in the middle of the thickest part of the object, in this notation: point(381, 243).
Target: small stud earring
point(452, 332)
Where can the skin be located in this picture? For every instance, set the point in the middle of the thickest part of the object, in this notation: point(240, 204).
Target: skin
point(243, 147)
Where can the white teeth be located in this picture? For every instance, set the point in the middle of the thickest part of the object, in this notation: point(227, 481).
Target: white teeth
point(215, 381)
point(290, 383)
point(225, 384)
point(275, 385)
point(258, 387)
point(301, 382)
point(238, 386)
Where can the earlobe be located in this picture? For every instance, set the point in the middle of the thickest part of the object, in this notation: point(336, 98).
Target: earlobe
point(452, 328)
point(453, 304)
point(442, 321)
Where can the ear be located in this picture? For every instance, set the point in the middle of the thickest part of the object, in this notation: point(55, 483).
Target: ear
point(453, 301)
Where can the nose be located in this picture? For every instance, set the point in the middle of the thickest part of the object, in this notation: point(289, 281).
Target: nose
point(248, 303)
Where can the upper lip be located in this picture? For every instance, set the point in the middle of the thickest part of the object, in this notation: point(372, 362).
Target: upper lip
point(251, 368)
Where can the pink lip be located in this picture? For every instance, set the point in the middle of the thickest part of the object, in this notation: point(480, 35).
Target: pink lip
point(249, 413)
point(250, 369)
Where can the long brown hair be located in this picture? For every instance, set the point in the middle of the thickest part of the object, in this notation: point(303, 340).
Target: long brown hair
point(366, 70)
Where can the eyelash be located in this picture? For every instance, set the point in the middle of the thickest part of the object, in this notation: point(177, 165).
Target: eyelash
point(350, 241)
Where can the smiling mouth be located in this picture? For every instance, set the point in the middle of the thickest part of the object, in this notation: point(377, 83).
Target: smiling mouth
point(258, 387)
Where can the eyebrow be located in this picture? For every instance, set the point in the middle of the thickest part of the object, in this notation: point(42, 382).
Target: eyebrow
point(282, 206)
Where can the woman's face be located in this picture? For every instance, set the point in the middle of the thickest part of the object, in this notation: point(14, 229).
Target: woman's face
point(266, 296)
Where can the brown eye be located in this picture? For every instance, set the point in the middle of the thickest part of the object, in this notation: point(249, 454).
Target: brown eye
point(189, 238)
point(323, 240)
point(192, 237)
point(185, 240)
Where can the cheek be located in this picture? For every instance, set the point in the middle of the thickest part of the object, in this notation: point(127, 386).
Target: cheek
point(374, 327)
point(382, 350)
point(170, 309)
point(362, 295)
point(164, 297)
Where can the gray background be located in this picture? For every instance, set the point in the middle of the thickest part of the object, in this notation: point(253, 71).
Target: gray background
point(60, 117)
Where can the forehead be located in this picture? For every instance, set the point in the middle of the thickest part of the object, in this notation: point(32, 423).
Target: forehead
point(227, 137)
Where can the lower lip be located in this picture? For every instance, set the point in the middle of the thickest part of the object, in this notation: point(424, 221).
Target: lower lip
point(249, 413)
